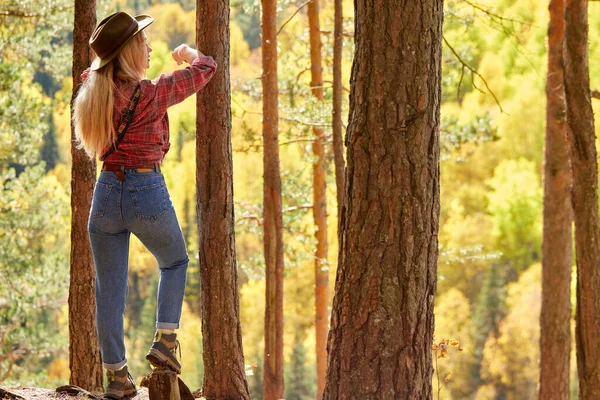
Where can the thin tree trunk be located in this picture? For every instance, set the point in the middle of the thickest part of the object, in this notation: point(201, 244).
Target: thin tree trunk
point(224, 370)
point(85, 361)
point(382, 319)
point(555, 317)
point(338, 146)
point(580, 119)
point(273, 223)
point(319, 204)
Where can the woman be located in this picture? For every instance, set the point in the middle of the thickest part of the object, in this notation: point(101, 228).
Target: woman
point(122, 117)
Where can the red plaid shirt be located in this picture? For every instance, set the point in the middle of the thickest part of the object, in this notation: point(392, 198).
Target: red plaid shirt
point(147, 139)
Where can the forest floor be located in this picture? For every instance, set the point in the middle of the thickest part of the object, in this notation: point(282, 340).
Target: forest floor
point(39, 394)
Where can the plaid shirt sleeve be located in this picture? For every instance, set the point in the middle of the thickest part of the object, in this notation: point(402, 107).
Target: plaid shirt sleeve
point(175, 87)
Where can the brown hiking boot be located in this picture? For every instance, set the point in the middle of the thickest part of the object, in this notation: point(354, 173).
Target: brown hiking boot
point(162, 352)
point(120, 384)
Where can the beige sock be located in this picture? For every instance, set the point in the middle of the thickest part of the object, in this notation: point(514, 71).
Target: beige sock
point(166, 331)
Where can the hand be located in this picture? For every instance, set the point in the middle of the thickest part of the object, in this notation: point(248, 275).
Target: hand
point(84, 75)
point(183, 52)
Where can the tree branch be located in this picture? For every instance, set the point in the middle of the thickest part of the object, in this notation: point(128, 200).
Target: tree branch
point(19, 14)
point(595, 93)
point(293, 15)
point(473, 72)
point(495, 17)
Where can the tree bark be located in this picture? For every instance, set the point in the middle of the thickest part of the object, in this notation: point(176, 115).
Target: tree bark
point(382, 320)
point(555, 316)
point(163, 385)
point(85, 361)
point(319, 204)
point(338, 146)
point(580, 119)
point(224, 369)
point(273, 223)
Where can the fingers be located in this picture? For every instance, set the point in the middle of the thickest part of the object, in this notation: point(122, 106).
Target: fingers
point(177, 53)
point(183, 52)
point(84, 75)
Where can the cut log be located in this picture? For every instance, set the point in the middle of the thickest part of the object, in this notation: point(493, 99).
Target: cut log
point(164, 384)
point(184, 391)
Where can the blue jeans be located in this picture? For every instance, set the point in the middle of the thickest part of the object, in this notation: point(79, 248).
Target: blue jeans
point(140, 205)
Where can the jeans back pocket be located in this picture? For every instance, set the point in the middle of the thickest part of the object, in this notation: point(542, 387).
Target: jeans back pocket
point(150, 201)
point(101, 193)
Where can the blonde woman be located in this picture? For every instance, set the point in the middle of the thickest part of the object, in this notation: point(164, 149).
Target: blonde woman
point(121, 117)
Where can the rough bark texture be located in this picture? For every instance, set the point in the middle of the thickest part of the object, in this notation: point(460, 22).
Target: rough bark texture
point(555, 317)
point(382, 319)
point(163, 385)
point(273, 223)
point(580, 119)
point(84, 353)
point(338, 146)
point(319, 204)
point(224, 371)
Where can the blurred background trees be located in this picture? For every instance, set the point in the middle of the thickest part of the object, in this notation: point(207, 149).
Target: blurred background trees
point(489, 279)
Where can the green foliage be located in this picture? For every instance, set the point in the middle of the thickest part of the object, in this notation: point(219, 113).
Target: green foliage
point(511, 359)
point(515, 203)
point(23, 115)
point(453, 320)
point(298, 385)
point(172, 24)
point(34, 271)
point(487, 314)
point(455, 135)
point(490, 224)
point(255, 381)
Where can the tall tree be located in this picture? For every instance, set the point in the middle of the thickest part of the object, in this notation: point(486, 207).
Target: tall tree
point(84, 353)
point(319, 203)
point(580, 120)
point(555, 316)
point(338, 146)
point(382, 319)
point(273, 221)
point(224, 370)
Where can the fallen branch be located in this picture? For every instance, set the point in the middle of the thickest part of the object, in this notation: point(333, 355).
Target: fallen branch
point(5, 394)
point(72, 390)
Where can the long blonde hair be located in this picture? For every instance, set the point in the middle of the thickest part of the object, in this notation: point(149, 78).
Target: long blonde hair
point(93, 106)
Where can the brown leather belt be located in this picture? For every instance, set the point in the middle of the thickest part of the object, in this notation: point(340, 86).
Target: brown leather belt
point(118, 169)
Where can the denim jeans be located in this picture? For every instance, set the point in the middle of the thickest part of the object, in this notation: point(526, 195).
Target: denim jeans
point(140, 205)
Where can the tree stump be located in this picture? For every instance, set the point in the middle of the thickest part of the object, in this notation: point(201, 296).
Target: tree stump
point(162, 385)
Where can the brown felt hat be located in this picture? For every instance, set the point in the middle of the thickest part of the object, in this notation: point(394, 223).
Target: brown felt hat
point(113, 33)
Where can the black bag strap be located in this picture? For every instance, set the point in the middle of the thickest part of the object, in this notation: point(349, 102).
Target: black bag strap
point(125, 120)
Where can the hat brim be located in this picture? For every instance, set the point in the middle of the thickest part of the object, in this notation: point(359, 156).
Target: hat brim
point(143, 22)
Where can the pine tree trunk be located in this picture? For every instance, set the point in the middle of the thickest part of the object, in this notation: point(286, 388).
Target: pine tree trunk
point(319, 204)
point(273, 223)
point(338, 146)
point(580, 119)
point(85, 361)
point(224, 370)
point(555, 317)
point(382, 319)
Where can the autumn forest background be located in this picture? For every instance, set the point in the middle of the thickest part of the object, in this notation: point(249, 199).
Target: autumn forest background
point(493, 118)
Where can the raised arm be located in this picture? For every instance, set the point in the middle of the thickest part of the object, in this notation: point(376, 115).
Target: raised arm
point(175, 87)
